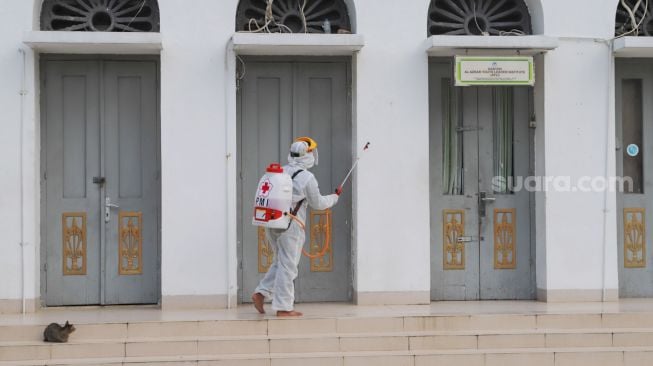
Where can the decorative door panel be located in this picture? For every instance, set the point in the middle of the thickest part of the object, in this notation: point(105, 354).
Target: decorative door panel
point(320, 241)
point(74, 243)
point(453, 246)
point(265, 252)
point(634, 238)
point(480, 228)
point(505, 238)
point(100, 140)
point(277, 102)
point(634, 135)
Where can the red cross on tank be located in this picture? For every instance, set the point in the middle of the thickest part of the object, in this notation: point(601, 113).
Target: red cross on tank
point(265, 189)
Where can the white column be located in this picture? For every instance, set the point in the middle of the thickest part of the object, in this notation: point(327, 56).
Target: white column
point(392, 257)
point(577, 232)
point(198, 203)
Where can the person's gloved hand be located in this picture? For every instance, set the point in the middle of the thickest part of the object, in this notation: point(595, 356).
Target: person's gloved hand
point(339, 190)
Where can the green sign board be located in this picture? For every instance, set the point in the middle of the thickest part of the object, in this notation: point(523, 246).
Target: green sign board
point(481, 70)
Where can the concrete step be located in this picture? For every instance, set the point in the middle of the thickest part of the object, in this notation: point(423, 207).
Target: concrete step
point(79, 348)
point(371, 336)
point(624, 356)
point(273, 326)
point(142, 329)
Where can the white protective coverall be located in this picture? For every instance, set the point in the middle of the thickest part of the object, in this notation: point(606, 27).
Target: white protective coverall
point(287, 244)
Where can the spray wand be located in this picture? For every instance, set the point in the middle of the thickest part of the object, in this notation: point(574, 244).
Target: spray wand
point(339, 189)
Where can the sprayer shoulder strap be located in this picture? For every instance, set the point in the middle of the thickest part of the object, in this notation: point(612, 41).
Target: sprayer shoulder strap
point(299, 204)
point(296, 173)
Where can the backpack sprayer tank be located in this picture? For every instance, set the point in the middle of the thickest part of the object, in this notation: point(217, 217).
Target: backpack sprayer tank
point(273, 199)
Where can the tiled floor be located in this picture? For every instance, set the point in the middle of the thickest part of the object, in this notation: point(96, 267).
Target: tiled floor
point(115, 314)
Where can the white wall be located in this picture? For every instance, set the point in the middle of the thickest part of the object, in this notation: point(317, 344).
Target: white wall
point(19, 19)
point(392, 183)
point(579, 138)
point(194, 258)
point(392, 218)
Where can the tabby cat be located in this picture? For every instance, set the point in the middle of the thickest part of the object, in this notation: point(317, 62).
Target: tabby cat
point(56, 333)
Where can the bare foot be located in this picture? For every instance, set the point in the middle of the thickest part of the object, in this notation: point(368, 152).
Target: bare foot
point(258, 299)
point(281, 313)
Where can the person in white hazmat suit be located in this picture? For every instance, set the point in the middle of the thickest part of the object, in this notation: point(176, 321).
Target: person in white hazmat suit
point(287, 243)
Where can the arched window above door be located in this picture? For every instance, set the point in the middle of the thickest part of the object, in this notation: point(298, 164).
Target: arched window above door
point(478, 17)
point(633, 19)
point(293, 16)
point(100, 15)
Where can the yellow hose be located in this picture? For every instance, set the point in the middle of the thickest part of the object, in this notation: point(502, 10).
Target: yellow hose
point(301, 224)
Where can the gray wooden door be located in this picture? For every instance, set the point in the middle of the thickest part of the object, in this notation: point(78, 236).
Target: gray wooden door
point(100, 178)
point(634, 87)
point(480, 227)
point(279, 101)
point(72, 158)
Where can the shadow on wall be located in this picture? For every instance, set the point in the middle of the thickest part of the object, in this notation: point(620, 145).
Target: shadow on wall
point(537, 15)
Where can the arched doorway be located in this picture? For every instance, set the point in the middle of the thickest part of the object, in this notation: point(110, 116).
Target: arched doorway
point(281, 98)
point(100, 161)
point(482, 240)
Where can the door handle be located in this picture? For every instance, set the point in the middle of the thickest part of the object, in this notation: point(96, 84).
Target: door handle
point(107, 208)
point(483, 200)
point(465, 239)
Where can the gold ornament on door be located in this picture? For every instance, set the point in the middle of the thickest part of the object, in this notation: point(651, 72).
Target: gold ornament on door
point(453, 222)
point(505, 230)
point(634, 238)
point(131, 243)
point(265, 252)
point(321, 241)
point(73, 225)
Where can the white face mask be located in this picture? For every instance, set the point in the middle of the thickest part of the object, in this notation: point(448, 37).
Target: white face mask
point(302, 157)
point(307, 161)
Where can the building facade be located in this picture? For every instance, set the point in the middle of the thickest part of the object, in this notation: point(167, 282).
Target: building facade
point(134, 134)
